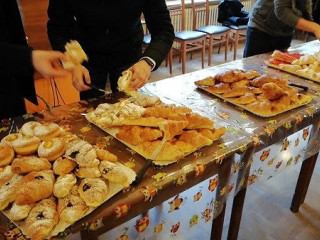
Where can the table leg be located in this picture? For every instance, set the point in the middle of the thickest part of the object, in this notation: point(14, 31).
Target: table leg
point(236, 214)
point(88, 235)
point(217, 225)
point(303, 182)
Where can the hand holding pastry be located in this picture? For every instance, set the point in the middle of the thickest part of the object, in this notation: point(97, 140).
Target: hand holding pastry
point(140, 74)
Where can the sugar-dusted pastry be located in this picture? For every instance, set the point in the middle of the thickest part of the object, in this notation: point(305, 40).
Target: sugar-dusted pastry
point(255, 90)
point(63, 185)
point(47, 131)
point(124, 83)
point(74, 54)
point(231, 76)
point(165, 111)
point(242, 83)
point(219, 88)
point(289, 67)
point(245, 99)
point(42, 219)
point(236, 92)
point(113, 172)
point(9, 139)
point(194, 120)
point(145, 100)
point(71, 208)
point(6, 154)
point(52, 149)
point(93, 191)
point(82, 153)
point(105, 155)
point(26, 145)
point(29, 163)
point(5, 175)
point(263, 79)
point(208, 81)
point(63, 166)
point(272, 91)
point(87, 172)
point(137, 134)
point(251, 74)
point(213, 134)
point(20, 212)
point(35, 186)
point(194, 138)
point(304, 60)
point(8, 191)
point(27, 129)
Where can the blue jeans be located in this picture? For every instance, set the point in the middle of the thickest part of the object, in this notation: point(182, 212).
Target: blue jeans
point(258, 42)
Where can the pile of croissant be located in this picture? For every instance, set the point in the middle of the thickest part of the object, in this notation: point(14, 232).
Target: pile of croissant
point(306, 65)
point(264, 95)
point(156, 130)
point(49, 176)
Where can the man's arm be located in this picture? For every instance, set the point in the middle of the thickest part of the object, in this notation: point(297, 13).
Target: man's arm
point(162, 34)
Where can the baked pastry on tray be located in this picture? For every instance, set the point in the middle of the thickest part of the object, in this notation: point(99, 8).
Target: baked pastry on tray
point(42, 219)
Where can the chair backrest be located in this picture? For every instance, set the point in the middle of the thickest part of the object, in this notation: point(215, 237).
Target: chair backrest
point(200, 14)
point(178, 17)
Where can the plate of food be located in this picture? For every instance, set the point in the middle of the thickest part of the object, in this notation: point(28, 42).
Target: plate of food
point(50, 178)
point(307, 66)
point(263, 95)
point(157, 131)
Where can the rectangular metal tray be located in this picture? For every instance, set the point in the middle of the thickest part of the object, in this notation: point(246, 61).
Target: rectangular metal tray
point(244, 107)
point(291, 72)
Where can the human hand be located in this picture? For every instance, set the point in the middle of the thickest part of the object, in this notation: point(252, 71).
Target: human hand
point(317, 31)
point(80, 74)
point(48, 63)
point(140, 74)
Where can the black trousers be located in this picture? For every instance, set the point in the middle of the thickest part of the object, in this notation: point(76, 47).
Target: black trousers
point(11, 106)
point(258, 42)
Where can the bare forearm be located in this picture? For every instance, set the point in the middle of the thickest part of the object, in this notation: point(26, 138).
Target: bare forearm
point(308, 26)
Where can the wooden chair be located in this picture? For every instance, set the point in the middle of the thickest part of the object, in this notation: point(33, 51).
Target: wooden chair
point(216, 35)
point(188, 40)
point(238, 33)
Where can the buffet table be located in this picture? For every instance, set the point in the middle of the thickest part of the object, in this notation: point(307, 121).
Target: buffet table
point(224, 169)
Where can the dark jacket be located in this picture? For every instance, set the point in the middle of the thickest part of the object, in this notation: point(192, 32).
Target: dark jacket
point(111, 28)
point(15, 62)
point(230, 13)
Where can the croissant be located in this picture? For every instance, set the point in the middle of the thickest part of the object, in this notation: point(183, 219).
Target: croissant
point(35, 186)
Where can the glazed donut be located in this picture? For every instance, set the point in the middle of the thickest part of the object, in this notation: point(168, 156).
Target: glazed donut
point(83, 153)
point(6, 154)
point(52, 149)
point(71, 208)
point(26, 145)
point(28, 128)
point(9, 139)
point(63, 166)
point(90, 172)
point(93, 191)
point(47, 131)
point(63, 185)
point(30, 163)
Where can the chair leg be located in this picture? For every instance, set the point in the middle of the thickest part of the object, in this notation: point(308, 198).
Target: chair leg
point(219, 48)
point(183, 57)
point(170, 61)
point(203, 52)
point(236, 41)
point(226, 47)
point(210, 49)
